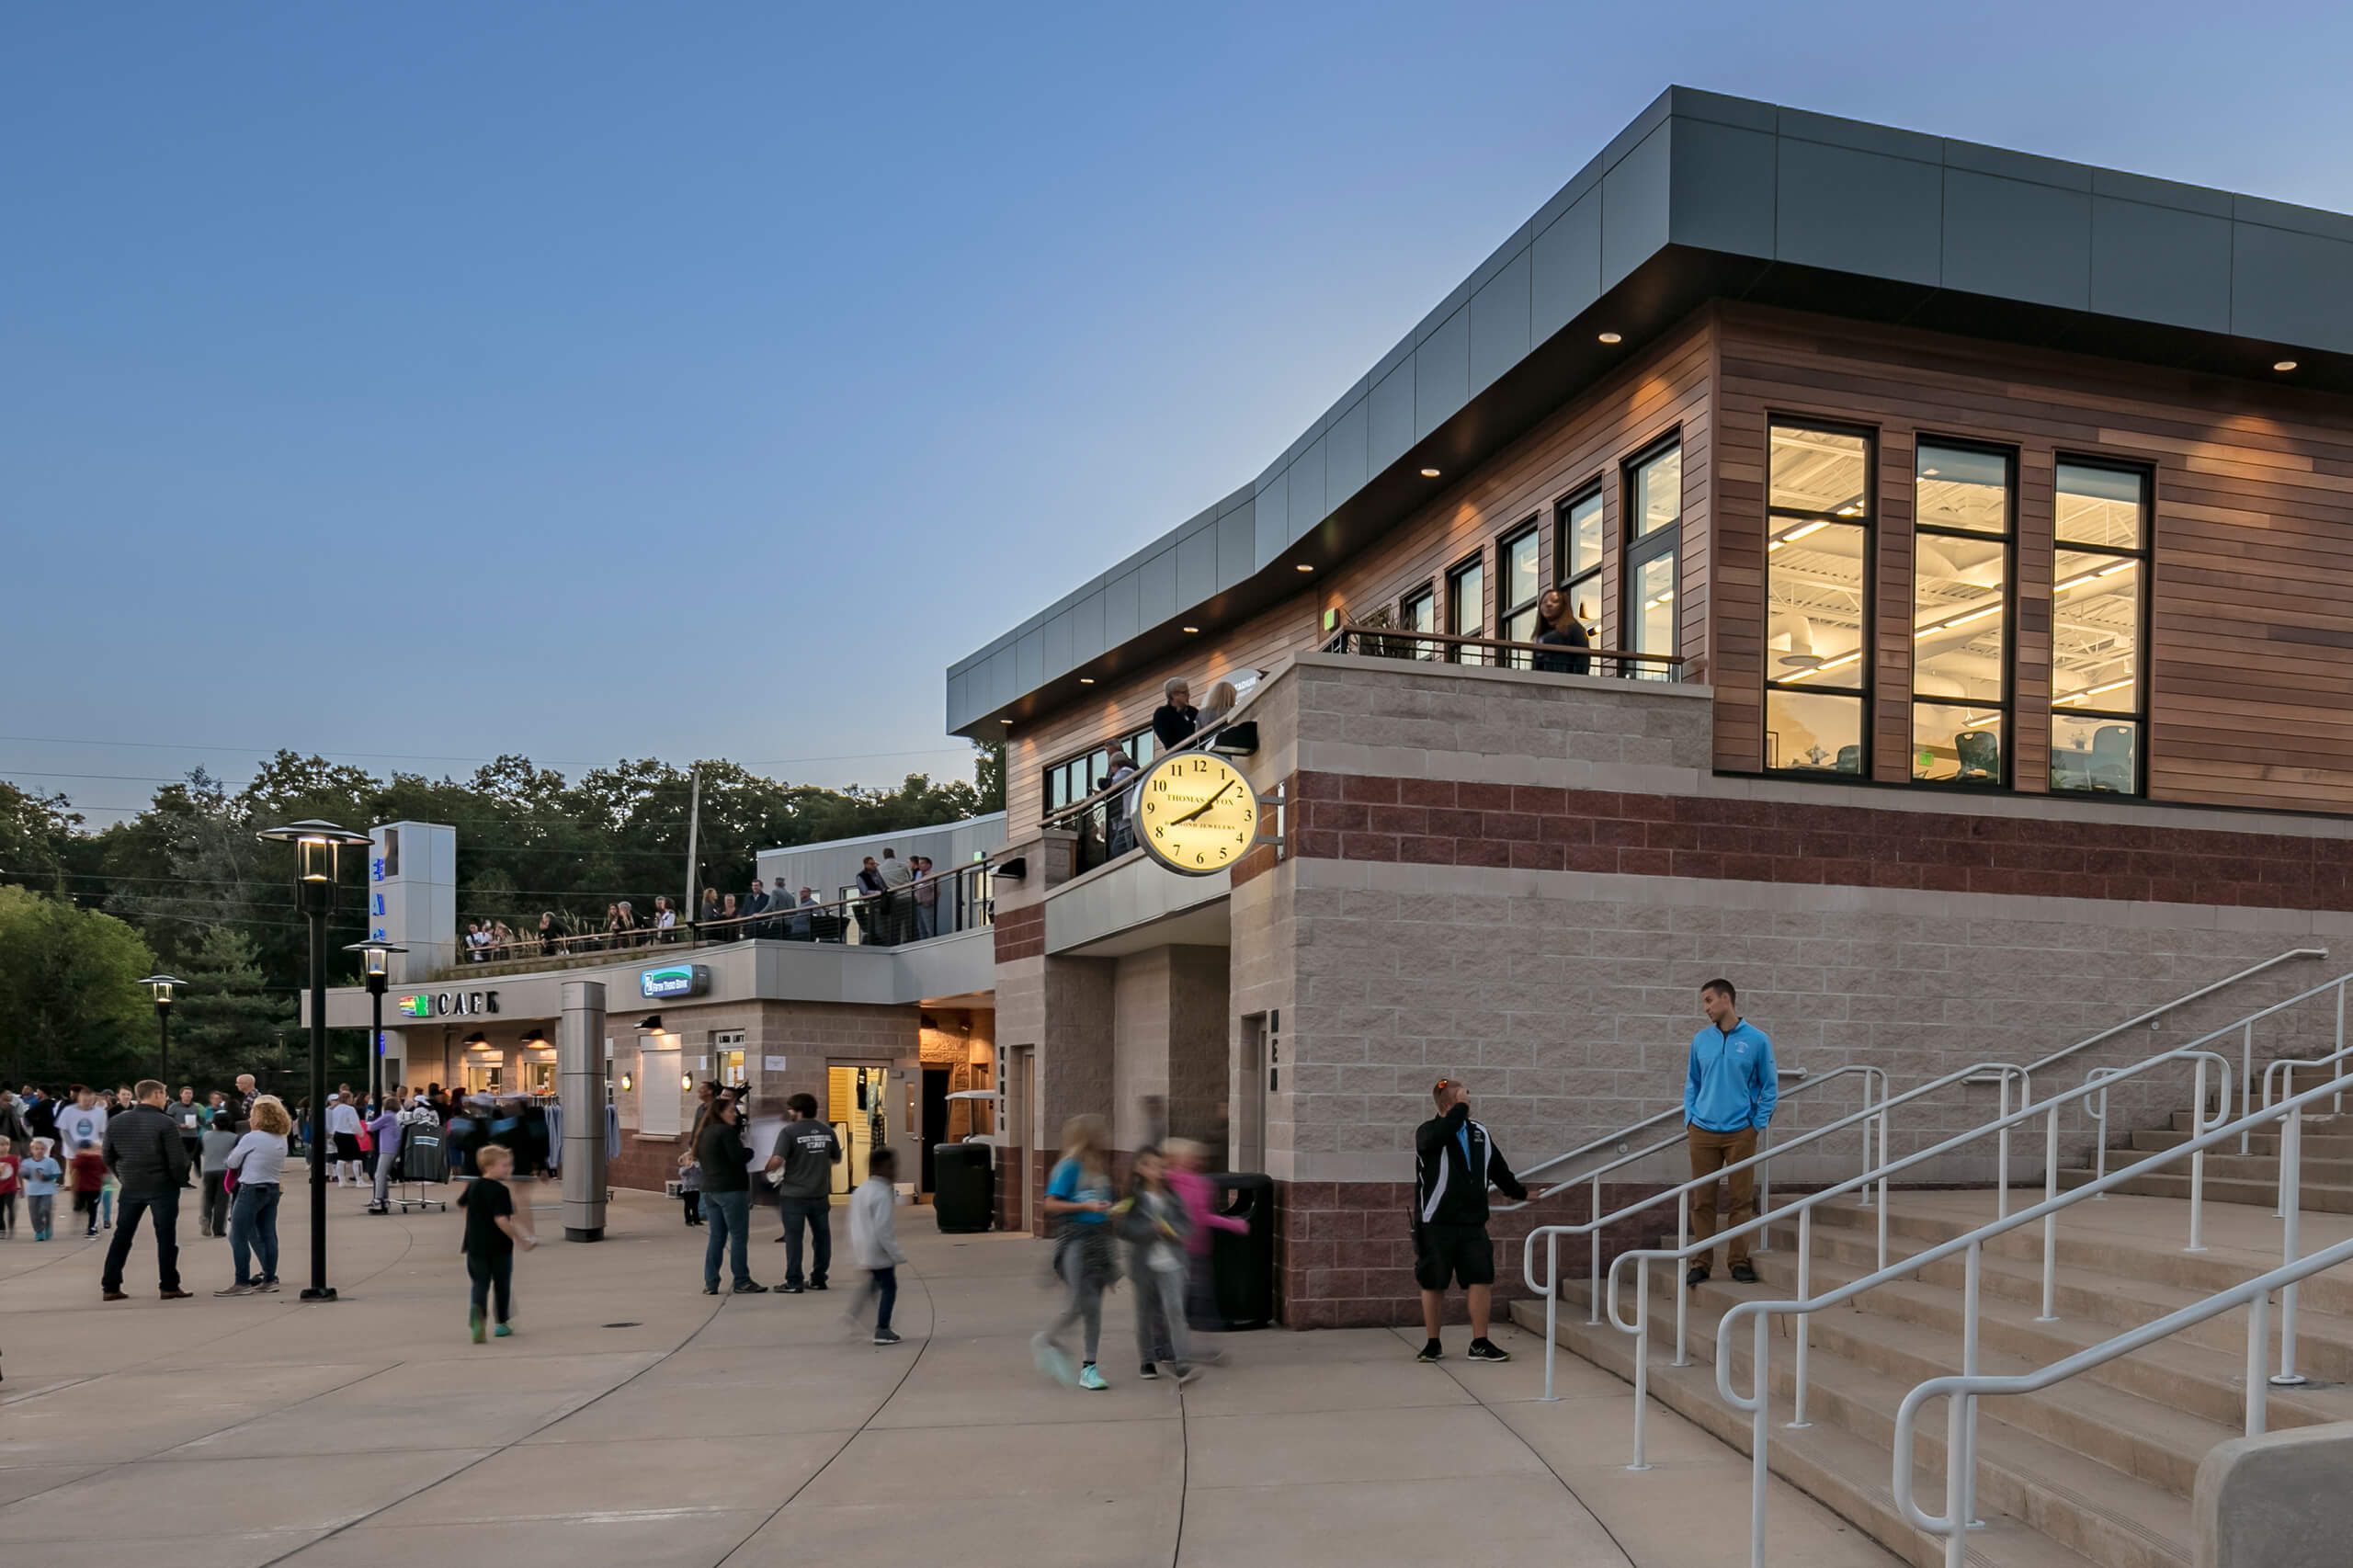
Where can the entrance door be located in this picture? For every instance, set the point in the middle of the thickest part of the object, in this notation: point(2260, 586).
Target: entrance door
point(935, 1118)
point(857, 1103)
point(1020, 1117)
point(1246, 1149)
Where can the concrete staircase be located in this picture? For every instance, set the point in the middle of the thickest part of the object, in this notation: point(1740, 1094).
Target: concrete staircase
point(2095, 1471)
point(2326, 1177)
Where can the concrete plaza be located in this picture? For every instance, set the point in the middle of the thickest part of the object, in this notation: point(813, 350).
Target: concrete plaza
point(633, 1419)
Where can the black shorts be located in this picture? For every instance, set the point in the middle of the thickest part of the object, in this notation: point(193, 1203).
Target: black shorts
point(347, 1146)
point(1459, 1253)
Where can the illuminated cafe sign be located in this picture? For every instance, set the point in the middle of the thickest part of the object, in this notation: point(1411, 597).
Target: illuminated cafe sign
point(675, 980)
point(446, 1004)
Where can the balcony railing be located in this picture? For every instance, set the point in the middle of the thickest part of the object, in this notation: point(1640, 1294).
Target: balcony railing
point(1101, 821)
point(937, 905)
point(1496, 653)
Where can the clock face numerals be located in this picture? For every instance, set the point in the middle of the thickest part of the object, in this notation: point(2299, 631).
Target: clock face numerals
point(1196, 813)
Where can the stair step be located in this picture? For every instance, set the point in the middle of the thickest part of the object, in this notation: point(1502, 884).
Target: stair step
point(2042, 1502)
point(2317, 1145)
point(2224, 1160)
point(2329, 1125)
point(2253, 1192)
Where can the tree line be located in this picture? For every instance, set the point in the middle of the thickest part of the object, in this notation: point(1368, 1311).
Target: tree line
point(185, 887)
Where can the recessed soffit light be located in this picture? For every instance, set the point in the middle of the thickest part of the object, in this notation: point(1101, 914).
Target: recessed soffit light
point(1611, 337)
point(2283, 365)
point(1429, 473)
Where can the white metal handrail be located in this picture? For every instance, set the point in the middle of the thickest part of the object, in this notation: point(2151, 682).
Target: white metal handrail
point(1803, 1209)
point(2200, 994)
point(1971, 1244)
point(1964, 1391)
point(1801, 1082)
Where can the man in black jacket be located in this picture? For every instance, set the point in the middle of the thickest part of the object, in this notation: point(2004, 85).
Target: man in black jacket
point(145, 1151)
point(1455, 1161)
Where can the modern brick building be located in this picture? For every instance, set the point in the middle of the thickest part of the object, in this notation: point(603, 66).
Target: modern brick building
point(1968, 537)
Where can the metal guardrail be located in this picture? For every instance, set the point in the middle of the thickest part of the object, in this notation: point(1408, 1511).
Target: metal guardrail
point(1101, 820)
point(1500, 653)
point(961, 899)
point(1964, 1391)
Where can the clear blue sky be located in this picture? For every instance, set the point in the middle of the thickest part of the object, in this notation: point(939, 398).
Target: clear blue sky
point(597, 380)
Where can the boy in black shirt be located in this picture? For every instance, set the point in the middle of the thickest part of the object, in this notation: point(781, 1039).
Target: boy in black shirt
point(491, 1231)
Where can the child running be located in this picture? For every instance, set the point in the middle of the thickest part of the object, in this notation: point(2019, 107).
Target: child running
point(8, 1189)
point(873, 1245)
point(89, 1174)
point(492, 1233)
point(1187, 1162)
point(1078, 1192)
point(40, 1175)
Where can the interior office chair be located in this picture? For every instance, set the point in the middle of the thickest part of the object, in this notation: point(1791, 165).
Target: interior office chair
point(1980, 756)
point(2111, 764)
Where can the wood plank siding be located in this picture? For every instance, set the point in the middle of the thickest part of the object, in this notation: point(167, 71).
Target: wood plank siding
point(1661, 391)
point(2250, 633)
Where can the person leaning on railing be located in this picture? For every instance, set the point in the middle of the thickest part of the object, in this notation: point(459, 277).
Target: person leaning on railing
point(1561, 628)
point(1176, 718)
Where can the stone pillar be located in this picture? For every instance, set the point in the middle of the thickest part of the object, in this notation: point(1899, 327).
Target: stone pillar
point(580, 1080)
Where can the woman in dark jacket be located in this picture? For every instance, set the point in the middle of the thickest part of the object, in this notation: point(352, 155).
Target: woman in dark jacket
point(1561, 628)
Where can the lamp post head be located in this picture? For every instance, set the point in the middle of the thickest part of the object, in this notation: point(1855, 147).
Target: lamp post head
point(375, 962)
point(316, 844)
point(161, 986)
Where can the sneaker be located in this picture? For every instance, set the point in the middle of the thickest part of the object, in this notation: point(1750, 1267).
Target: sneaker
point(816, 1284)
point(1090, 1378)
point(711, 1290)
point(504, 1331)
point(113, 1296)
point(746, 1287)
point(1488, 1350)
point(1743, 1272)
point(234, 1290)
point(266, 1287)
point(1148, 1372)
point(1432, 1351)
point(1187, 1374)
point(1051, 1359)
point(1695, 1276)
point(884, 1336)
point(473, 1323)
point(177, 1295)
point(788, 1290)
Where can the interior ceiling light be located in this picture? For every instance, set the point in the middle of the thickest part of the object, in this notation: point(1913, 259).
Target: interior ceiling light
point(2283, 364)
point(1611, 337)
point(1429, 473)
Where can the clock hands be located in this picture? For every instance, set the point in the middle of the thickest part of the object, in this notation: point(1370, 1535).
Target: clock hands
point(1205, 805)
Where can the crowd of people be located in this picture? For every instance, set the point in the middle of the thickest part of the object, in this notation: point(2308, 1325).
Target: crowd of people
point(898, 900)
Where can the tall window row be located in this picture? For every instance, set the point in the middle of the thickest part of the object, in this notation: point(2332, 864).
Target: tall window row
point(1073, 778)
point(1455, 604)
point(1819, 550)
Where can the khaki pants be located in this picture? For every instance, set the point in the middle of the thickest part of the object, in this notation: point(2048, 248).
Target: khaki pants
point(1712, 1152)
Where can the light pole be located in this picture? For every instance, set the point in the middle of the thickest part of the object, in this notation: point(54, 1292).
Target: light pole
point(316, 847)
point(375, 962)
point(160, 986)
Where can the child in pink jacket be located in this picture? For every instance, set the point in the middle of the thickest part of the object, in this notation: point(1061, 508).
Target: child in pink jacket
point(1187, 1161)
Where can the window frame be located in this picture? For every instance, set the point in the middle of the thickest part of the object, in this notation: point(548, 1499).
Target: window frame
point(1563, 532)
point(1532, 532)
point(1128, 741)
point(1426, 592)
point(1863, 691)
point(1474, 562)
point(2146, 554)
point(1636, 551)
point(2007, 705)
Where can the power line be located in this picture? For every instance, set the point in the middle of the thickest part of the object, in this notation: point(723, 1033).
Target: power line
point(428, 757)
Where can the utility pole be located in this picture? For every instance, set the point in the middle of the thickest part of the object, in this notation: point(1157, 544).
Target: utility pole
point(694, 833)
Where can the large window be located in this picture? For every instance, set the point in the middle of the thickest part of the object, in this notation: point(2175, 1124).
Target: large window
point(1817, 571)
point(1519, 583)
point(1964, 512)
point(1653, 540)
point(1577, 555)
point(2100, 572)
point(1419, 613)
point(1466, 601)
point(1072, 779)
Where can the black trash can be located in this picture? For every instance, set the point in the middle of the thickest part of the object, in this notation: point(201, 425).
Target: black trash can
point(963, 1192)
point(1244, 1266)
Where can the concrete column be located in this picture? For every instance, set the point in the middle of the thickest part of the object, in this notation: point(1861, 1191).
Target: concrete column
point(580, 1081)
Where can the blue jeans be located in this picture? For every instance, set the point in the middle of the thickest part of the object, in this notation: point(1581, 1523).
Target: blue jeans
point(253, 1228)
point(885, 1289)
point(729, 1217)
point(818, 1214)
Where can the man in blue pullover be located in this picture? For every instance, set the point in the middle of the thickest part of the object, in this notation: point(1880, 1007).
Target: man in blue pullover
point(1728, 1097)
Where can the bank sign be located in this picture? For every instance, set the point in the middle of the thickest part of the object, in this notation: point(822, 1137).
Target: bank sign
point(674, 980)
point(446, 1004)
